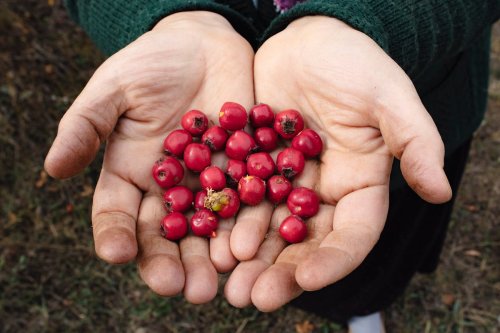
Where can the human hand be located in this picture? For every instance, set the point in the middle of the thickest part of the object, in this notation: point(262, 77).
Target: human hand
point(190, 60)
point(367, 111)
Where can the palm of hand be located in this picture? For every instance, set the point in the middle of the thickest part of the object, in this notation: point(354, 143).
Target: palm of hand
point(134, 99)
point(347, 96)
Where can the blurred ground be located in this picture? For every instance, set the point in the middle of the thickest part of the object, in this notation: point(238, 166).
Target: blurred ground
point(51, 281)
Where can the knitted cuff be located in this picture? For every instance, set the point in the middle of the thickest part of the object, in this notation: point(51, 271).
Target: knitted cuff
point(114, 24)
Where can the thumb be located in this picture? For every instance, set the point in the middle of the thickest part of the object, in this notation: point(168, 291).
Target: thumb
point(412, 137)
point(86, 124)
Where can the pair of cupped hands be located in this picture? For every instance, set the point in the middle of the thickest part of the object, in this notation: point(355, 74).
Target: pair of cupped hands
point(347, 88)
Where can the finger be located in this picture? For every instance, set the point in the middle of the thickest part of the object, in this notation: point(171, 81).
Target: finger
point(159, 260)
point(238, 287)
point(355, 232)
point(277, 285)
point(86, 124)
point(201, 277)
point(114, 214)
point(220, 251)
point(412, 136)
point(250, 229)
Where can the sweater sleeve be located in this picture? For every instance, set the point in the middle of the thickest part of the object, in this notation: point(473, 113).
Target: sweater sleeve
point(413, 32)
point(112, 24)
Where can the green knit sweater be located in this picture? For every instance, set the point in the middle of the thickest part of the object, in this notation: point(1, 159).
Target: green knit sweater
point(443, 45)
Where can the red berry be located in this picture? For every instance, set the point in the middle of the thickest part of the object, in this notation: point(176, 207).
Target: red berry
point(260, 165)
point(226, 202)
point(232, 116)
point(239, 145)
point(215, 137)
point(174, 226)
point(266, 138)
point(203, 223)
point(178, 199)
point(278, 188)
point(235, 170)
point(176, 142)
point(251, 190)
point(261, 115)
point(197, 157)
point(195, 122)
point(199, 199)
point(168, 171)
point(290, 162)
point(293, 229)
point(288, 123)
point(303, 201)
point(213, 177)
point(308, 142)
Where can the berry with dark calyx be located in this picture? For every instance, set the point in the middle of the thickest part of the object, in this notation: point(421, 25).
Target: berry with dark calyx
point(226, 202)
point(213, 177)
point(290, 162)
point(174, 226)
point(178, 199)
point(261, 165)
point(239, 145)
point(232, 116)
point(204, 222)
point(167, 172)
point(288, 123)
point(176, 142)
point(195, 122)
point(199, 199)
point(261, 115)
point(293, 229)
point(251, 190)
point(266, 138)
point(303, 201)
point(197, 157)
point(235, 170)
point(308, 142)
point(215, 137)
point(278, 189)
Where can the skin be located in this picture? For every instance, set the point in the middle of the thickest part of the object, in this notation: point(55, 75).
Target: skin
point(132, 101)
point(355, 96)
point(367, 112)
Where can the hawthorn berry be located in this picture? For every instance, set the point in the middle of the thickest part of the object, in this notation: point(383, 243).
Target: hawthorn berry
point(226, 202)
point(232, 116)
point(199, 199)
point(197, 157)
point(303, 201)
point(178, 199)
point(239, 145)
point(308, 142)
point(290, 162)
point(176, 142)
point(261, 165)
point(215, 137)
point(213, 177)
point(278, 189)
point(195, 122)
point(174, 226)
point(261, 115)
point(235, 170)
point(266, 138)
point(204, 223)
point(288, 123)
point(293, 229)
point(251, 190)
point(167, 171)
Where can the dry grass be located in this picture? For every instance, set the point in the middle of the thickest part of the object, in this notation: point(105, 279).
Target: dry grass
point(51, 281)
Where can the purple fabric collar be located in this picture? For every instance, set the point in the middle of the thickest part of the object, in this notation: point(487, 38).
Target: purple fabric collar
point(284, 5)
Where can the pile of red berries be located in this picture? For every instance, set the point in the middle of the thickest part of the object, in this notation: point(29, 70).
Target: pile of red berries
point(250, 175)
